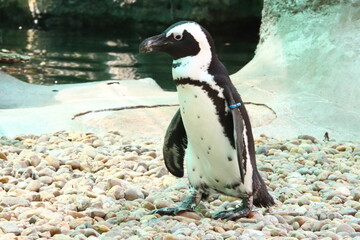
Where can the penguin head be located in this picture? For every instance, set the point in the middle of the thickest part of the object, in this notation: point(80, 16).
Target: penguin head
point(180, 40)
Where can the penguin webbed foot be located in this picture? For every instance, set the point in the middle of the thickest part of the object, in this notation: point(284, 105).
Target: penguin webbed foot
point(239, 212)
point(188, 204)
point(170, 210)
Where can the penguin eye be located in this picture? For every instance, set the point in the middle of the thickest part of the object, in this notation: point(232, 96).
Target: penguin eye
point(178, 37)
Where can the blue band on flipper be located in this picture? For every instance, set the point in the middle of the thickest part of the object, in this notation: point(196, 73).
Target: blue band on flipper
point(235, 105)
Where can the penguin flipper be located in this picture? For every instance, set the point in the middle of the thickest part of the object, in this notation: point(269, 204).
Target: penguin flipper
point(235, 104)
point(175, 143)
point(244, 143)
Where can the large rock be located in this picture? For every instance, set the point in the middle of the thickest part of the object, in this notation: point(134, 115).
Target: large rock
point(129, 106)
point(306, 68)
point(92, 107)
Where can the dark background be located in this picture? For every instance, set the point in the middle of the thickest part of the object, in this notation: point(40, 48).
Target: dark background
point(68, 40)
point(241, 17)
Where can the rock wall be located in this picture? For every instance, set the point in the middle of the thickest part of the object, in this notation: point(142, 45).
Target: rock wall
point(306, 67)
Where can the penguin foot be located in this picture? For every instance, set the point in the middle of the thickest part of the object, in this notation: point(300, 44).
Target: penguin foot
point(239, 212)
point(233, 214)
point(171, 210)
point(187, 205)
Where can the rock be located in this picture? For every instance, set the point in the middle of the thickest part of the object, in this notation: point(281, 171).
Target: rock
point(317, 225)
point(307, 226)
point(266, 168)
point(4, 179)
point(304, 171)
point(34, 186)
point(51, 229)
point(5, 215)
point(168, 236)
point(75, 164)
point(270, 220)
point(253, 233)
point(341, 148)
point(162, 203)
point(133, 193)
point(62, 237)
point(169, 181)
point(162, 171)
point(52, 161)
point(295, 225)
point(303, 201)
point(301, 210)
point(82, 203)
point(278, 232)
point(10, 227)
point(34, 160)
point(264, 150)
point(3, 156)
point(98, 143)
point(46, 196)
point(46, 172)
point(76, 223)
point(300, 219)
point(323, 175)
point(116, 192)
point(308, 137)
point(46, 180)
point(96, 213)
point(345, 228)
point(191, 215)
point(148, 205)
point(256, 215)
point(76, 214)
point(100, 228)
point(116, 182)
point(14, 201)
point(356, 195)
point(257, 226)
point(348, 211)
point(89, 151)
point(90, 232)
point(344, 191)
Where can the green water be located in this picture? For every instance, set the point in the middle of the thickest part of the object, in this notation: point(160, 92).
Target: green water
point(59, 57)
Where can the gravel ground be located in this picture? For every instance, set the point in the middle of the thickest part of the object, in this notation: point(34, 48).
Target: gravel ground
point(70, 185)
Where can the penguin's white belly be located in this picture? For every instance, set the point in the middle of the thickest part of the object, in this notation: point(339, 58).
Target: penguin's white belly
point(210, 159)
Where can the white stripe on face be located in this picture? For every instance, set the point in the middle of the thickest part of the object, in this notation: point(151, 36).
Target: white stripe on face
point(194, 67)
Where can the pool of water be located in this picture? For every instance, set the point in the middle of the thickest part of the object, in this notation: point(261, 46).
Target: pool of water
point(59, 57)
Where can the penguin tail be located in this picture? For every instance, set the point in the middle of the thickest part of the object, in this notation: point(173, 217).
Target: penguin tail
point(262, 198)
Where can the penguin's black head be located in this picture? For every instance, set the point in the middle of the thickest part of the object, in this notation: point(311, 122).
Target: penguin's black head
point(180, 40)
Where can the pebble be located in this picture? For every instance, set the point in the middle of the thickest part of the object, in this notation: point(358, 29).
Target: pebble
point(348, 211)
point(116, 192)
point(82, 203)
point(14, 201)
point(345, 228)
point(5, 215)
point(162, 203)
point(3, 156)
point(10, 227)
point(170, 237)
point(84, 186)
point(133, 193)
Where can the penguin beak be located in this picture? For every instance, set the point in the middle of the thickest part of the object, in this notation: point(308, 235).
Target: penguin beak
point(153, 44)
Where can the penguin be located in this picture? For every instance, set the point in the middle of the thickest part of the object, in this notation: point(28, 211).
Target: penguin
point(211, 131)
